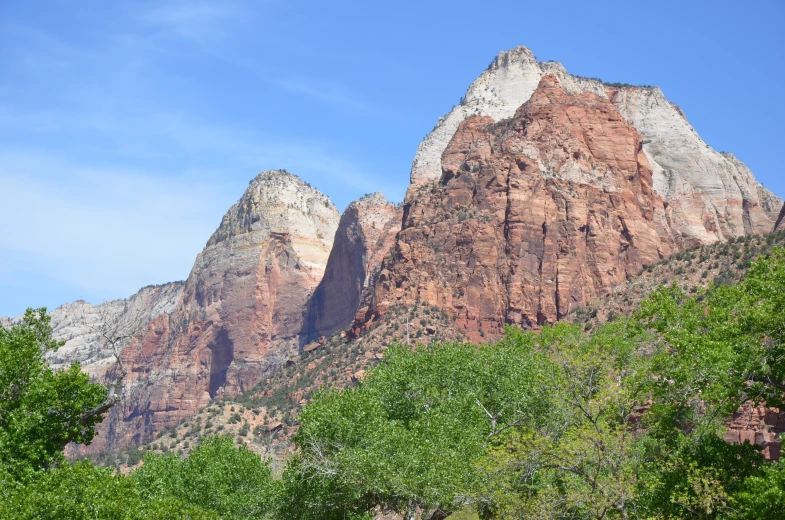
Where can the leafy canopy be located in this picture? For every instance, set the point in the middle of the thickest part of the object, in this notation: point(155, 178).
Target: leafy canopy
point(41, 410)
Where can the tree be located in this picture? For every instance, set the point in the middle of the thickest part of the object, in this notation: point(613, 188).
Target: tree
point(42, 410)
point(762, 495)
point(724, 346)
point(581, 459)
point(84, 492)
point(715, 351)
point(409, 437)
point(217, 476)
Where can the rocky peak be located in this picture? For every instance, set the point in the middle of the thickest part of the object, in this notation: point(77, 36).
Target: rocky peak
point(531, 217)
point(241, 311)
point(277, 202)
point(709, 196)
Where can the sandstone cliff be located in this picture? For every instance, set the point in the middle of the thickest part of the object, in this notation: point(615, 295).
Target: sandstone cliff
point(709, 196)
point(365, 234)
point(240, 312)
point(531, 217)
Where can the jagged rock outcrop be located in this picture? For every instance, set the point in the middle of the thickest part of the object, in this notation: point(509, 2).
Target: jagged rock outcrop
point(507, 83)
point(677, 192)
point(532, 216)
point(758, 425)
point(709, 196)
point(365, 234)
point(240, 313)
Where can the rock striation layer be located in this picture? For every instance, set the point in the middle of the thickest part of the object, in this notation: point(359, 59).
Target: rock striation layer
point(365, 234)
point(531, 217)
point(759, 426)
point(240, 312)
point(709, 196)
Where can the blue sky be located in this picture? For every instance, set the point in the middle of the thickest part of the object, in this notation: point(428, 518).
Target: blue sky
point(128, 128)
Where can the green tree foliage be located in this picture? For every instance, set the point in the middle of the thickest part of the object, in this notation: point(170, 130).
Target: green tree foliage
point(408, 439)
point(624, 422)
point(581, 459)
point(84, 492)
point(762, 495)
point(217, 476)
point(726, 345)
point(715, 351)
point(41, 410)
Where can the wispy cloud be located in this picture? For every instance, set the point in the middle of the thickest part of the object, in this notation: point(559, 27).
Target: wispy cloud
point(196, 21)
point(103, 230)
point(330, 93)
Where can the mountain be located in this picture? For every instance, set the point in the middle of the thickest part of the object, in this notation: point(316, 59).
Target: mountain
point(365, 234)
point(541, 193)
point(80, 325)
point(532, 216)
point(240, 312)
point(710, 196)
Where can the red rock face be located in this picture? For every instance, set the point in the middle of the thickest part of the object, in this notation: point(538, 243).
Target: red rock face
point(532, 216)
point(365, 234)
point(240, 315)
point(758, 426)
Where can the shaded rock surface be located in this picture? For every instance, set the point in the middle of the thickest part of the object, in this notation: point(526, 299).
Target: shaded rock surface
point(780, 225)
point(365, 234)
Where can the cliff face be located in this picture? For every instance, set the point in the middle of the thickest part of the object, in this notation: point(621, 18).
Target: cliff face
point(240, 313)
point(365, 234)
point(488, 236)
point(709, 196)
point(532, 216)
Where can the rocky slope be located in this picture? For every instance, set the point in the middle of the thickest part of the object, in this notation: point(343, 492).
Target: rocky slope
point(240, 313)
point(365, 234)
point(710, 196)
